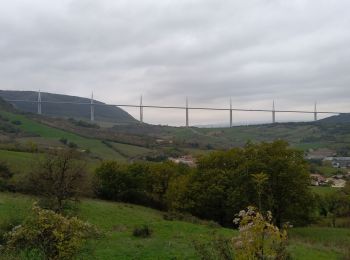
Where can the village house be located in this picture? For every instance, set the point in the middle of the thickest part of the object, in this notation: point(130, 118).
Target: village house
point(318, 180)
point(339, 162)
point(336, 183)
point(186, 159)
point(320, 154)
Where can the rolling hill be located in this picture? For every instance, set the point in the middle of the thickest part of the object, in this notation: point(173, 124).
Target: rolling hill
point(102, 113)
point(332, 133)
point(338, 119)
point(19, 131)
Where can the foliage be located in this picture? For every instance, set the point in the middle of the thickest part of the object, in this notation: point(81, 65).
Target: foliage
point(272, 176)
point(218, 248)
point(83, 123)
point(258, 238)
point(32, 146)
point(335, 204)
point(58, 178)
point(115, 181)
point(54, 235)
point(141, 183)
point(16, 122)
point(5, 176)
point(7, 223)
point(260, 180)
point(63, 140)
point(174, 215)
point(176, 195)
point(143, 231)
point(223, 183)
point(160, 177)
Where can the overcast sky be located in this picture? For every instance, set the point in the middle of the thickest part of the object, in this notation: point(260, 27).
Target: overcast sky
point(294, 51)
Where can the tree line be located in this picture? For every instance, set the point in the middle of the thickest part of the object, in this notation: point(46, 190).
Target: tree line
point(272, 176)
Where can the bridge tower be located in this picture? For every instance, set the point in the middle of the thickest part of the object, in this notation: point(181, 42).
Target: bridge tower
point(39, 102)
point(273, 112)
point(231, 113)
point(315, 112)
point(187, 120)
point(141, 110)
point(92, 108)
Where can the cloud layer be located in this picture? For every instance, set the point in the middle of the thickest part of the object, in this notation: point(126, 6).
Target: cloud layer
point(295, 52)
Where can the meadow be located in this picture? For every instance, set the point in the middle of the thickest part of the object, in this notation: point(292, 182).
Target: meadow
point(49, 137)
point(171, 239)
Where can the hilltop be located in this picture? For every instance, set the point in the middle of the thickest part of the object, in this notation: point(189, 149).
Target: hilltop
point(102, 113)
point(338, 119)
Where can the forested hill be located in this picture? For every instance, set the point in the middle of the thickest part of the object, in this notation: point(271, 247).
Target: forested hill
point(338, 119)
point(102, 113)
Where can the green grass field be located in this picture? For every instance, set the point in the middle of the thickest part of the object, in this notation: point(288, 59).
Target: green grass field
point(130, 151)
point(18, 161)
point(172, 239)
point(49, 137)
point(31, 126)
point(323, 190)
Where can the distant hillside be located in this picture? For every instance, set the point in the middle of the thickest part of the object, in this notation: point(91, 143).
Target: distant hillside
point(338, 119)
point(102, 113)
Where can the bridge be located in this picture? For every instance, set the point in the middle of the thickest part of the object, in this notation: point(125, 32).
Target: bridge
point(230, 109)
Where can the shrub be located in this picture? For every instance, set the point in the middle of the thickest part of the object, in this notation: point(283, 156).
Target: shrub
point(58, 178)
point(142, 231)
point(218, 248)
point(72, 145)
point(258, 237)
point(224, 183)
point(63, 140)
point(5, 176)
point(186, 217)
point(53, 235)
point(16, 122)
point(7, 224)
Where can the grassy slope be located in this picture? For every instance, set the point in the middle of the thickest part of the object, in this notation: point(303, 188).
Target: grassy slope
point(47, 132)
point(18, 161)
point(300, 135)
point(171, 239)
point(117, 220)
point(323, 190)
point(130, 150)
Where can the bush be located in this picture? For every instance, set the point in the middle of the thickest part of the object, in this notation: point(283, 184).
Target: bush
point(7, 224)
point(142, 231)
point(258, 237)
point(50, 234)
point(63, 140)
point(5, 176)
point(186, 217)
point(58, 178)
point(218, 248)
point(16, 122)
point(72, 145)
point(224, 183)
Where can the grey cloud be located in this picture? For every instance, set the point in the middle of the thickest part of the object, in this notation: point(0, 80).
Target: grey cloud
point(255, 51)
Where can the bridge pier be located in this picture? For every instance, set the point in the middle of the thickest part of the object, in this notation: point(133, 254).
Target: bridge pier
point(141, 110)
point(231, 113)
point(187, 120)
point(315, 112)
point(273, 112)
point(39, 102)
point(92, 108)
